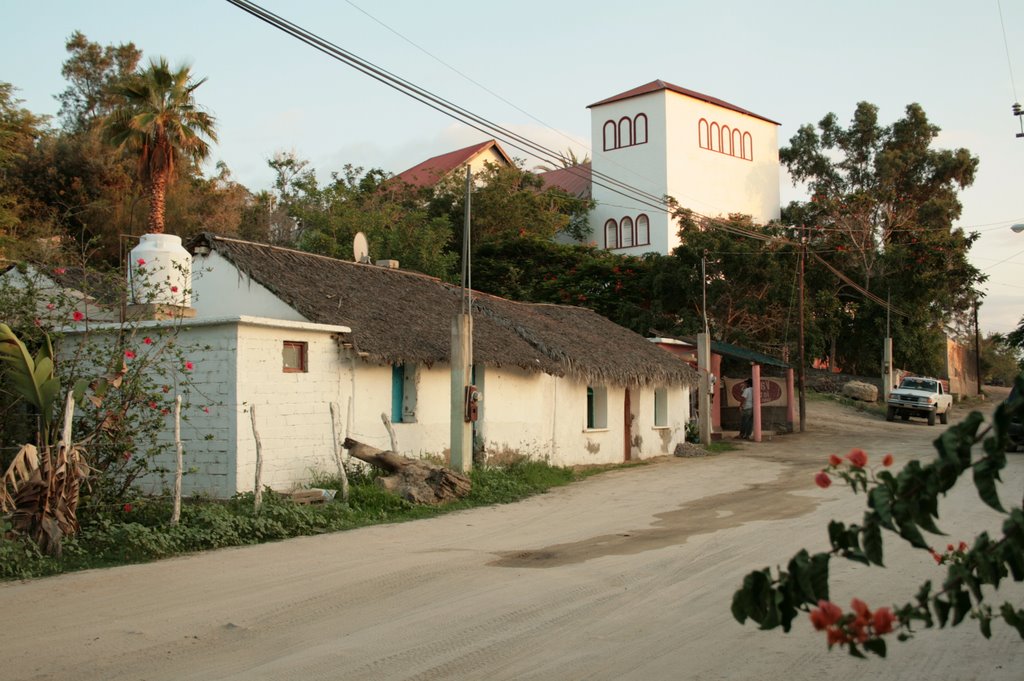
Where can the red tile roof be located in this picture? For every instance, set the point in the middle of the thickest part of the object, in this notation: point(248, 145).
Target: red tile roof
point(574, 180)
point(658, 85)
point(431, 171)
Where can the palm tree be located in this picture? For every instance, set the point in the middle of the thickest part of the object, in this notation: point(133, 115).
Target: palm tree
point(160, 123)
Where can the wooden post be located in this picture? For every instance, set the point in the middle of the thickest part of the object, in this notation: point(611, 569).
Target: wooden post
point(342, 473)
point(69, 412)
point(258, 492)
point(176, 511)
point(391, 431)
point(756, 389)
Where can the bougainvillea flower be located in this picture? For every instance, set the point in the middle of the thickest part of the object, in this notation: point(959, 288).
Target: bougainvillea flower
point(78, 316)
point(883, 620)
point(147, 340)
point(141, 261)
point(174, 289)
point(887, 460)
point(834, 460)
point(963, 546)
point(59, 270)
point(50, 306)
point(129, 354)
point(857, 457)
point(127, 508)
point(861, 608)
point(153, 405)
point(189, 366)
point(822, 480)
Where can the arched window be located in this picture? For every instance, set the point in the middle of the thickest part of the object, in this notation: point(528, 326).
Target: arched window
point(748, 146)
point(643, 230)
point(737, 143)
point(703, 134)
point(640, 129)
point(625, 132)
point(727, 140)
point(626, 233)
point(611, 136)
point(715, 137)
point(611, 234)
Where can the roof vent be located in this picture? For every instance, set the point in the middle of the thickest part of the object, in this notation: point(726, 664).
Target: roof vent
point(388, 264)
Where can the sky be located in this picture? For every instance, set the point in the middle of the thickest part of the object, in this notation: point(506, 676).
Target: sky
point(533, 66)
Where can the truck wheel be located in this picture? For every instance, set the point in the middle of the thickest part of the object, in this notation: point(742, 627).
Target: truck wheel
point(890, 414)
point(931, 418)
point(944, 417)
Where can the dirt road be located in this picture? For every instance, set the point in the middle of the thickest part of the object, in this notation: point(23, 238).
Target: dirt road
point(627, 575)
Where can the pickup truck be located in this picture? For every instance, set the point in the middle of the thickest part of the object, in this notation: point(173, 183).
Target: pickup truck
point(921, 397)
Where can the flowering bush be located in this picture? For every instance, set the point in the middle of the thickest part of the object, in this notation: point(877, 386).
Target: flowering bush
point(905, 504)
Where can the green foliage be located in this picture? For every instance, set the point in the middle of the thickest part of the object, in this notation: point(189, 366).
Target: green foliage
point(907, 504)
point(137, 529)
point(882, 208)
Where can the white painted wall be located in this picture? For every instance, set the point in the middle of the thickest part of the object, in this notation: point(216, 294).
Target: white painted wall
point(219, 289)
point(673, 163)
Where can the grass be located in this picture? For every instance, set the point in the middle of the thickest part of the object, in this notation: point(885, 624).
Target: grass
point(139, 531)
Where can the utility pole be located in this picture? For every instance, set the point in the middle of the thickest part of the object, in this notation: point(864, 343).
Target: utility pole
point(977, 344)
point(801, 377)
point(462, 356)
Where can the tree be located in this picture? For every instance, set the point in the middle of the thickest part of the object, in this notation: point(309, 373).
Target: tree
point(882, 207)
point(161, 124)
point(93, 72)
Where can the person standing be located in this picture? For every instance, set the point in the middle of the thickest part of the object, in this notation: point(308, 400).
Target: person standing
point(747, 411)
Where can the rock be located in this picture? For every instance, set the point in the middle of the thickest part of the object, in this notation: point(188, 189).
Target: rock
point(859, 390)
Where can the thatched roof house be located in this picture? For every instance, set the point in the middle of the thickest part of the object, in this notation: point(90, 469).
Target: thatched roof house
point(404, 317)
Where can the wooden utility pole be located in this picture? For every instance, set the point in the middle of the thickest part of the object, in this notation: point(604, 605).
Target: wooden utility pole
point(800, 369)
point(462, 355)
point(977, 344)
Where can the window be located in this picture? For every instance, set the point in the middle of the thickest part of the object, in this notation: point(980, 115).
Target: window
point(725, 140)
point(643, 230)
point(660, 407)
point(403, 393)
point(293, 357)
point(625, 132)
point(626, 232)
point(611, 234)
point(597, 408)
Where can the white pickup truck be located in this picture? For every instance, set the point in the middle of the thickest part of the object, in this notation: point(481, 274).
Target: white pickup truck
point(918, 396)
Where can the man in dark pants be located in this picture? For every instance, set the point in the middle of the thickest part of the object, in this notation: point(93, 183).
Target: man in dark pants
point(747, 411)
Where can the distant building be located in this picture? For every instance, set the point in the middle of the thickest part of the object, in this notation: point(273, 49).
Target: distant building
point(433, 170)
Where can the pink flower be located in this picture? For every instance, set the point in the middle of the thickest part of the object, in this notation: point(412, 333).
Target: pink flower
point(129, 354)
point(822, 480)
point(127, 508)
point(963, 547)
point(174, 289)
point(127, 456)
point(887, 460)
point(59, 270)
point(50, 306)
point(141, 261)
point(153, 405)
point(883, 620)
point(38, 322)
point(189, 366)
point(206, 409)
point(147, 340)
point(857, 458)
point(834, 460)
point(78, 316)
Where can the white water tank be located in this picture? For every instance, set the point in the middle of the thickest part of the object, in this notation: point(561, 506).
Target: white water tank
point(160, 271)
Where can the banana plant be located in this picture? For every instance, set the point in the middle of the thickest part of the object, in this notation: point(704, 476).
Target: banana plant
point(31, 378)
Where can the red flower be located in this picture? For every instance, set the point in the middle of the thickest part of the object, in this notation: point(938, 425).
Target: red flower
point(165, 412)
point(882, 621)
point(59, 270)
point(936, 556)
point(78, 316)
point(963, 547)
point(834, 460)
point(857, 458)
point(153, 405)
point(127, 508)
point(822, 480)
point(835, 635)
point(38, 321)
point(189, 366)
point(887, 460)
point(147, 340)
point(950, 548)
point(861, 608)
point(174, 289)
point(141, 261)
point(130, 354)
point(166, 388)
point(127, 456)
point(50, 306)
point(206, 409)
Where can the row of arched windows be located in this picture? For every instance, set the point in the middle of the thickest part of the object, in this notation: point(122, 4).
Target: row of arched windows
point(625, 132)
point(725, 140)
point(627, 232)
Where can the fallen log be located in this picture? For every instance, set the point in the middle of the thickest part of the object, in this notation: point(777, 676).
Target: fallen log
point(415, 480)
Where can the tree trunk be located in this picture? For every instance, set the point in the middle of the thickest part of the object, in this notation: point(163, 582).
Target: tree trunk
point(415, 480)
point(157, 202)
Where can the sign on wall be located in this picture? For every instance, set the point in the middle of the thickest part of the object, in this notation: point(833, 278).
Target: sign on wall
point(773, 392)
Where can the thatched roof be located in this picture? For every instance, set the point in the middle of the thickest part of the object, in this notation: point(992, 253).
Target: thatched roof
point(405, 317)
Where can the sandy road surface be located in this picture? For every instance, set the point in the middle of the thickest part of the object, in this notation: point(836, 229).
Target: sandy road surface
point(627, 575)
